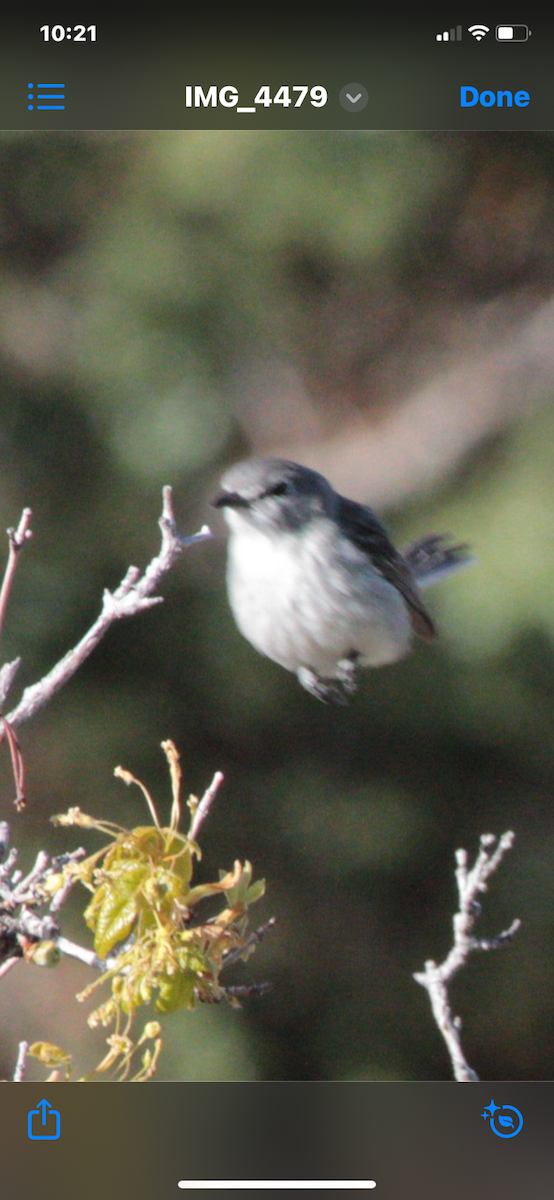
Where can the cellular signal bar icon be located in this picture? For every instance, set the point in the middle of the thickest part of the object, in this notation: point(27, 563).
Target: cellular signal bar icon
point(455, 35)
point(47, 91)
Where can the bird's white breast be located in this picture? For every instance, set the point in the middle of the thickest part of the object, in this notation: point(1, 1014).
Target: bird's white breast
point(309, 598)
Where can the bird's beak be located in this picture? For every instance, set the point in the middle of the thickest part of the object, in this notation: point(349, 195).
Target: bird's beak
point(230, 500)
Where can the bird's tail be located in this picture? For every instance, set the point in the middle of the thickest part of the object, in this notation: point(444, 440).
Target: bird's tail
point(433, 558)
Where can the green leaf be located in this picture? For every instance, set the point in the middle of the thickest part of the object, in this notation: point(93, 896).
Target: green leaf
point(176, 991)
point(115, 905)
point(255, 891)
point(244, 892)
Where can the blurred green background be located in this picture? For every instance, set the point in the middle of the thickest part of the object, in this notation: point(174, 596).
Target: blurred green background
point(379, 306)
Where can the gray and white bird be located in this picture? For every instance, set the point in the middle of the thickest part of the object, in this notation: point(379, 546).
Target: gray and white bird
point(314, 580)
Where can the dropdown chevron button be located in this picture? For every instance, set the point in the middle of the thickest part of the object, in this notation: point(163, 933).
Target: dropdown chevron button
point(353, 97)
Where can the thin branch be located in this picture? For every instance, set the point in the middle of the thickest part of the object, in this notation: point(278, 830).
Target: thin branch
point(7, 675)
point(245, 991)
point(8, 964)
point(203, 808)
point(18, 763)
point(133, 596)
point(5, 871)
point(242, 991)
point(63, 892)
point(21, 1063)
point(23, 892)
point(436, 977)
point(17, 538)
point(73, 950)
point(253, 940)
point(4, 843)
point(22, 897)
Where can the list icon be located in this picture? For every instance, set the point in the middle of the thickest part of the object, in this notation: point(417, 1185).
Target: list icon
point(47, 96)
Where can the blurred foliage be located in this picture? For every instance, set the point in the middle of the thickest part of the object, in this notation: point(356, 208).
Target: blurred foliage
point(171, 301)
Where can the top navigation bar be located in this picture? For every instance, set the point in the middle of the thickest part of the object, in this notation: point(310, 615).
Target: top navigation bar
point(385, 73)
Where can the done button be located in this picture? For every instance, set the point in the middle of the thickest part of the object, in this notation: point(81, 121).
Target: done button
point(470, 96)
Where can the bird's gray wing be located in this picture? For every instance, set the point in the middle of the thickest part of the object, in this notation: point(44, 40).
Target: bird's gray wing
point(435, 556)
point(364, 530)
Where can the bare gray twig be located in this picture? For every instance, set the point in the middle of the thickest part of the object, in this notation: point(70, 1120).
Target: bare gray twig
point(7, 675)
point(23, 923)
point(21, 1063)
point(8, 964)
point(205, 804)
point(133, 596)
point(23, 893)
point(17, 538)
point(63, 892)
point(73, 950)
point(241, 991)
point(254, 940)
point(436, 977)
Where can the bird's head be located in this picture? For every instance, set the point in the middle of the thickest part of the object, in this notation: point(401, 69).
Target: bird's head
point(274, 494)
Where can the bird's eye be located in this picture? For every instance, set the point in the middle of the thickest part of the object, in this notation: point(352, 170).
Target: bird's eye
point(278, 489)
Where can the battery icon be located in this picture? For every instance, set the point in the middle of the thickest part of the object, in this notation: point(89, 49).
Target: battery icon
point(512, 33)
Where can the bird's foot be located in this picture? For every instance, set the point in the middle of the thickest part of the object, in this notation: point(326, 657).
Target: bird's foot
point(336, 690)
point(349, 671)
point(330, 691)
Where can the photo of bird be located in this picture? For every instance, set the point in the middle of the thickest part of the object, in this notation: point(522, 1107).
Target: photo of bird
point(315, 582)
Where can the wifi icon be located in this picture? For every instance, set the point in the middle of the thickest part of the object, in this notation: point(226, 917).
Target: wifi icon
point(478, 31)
